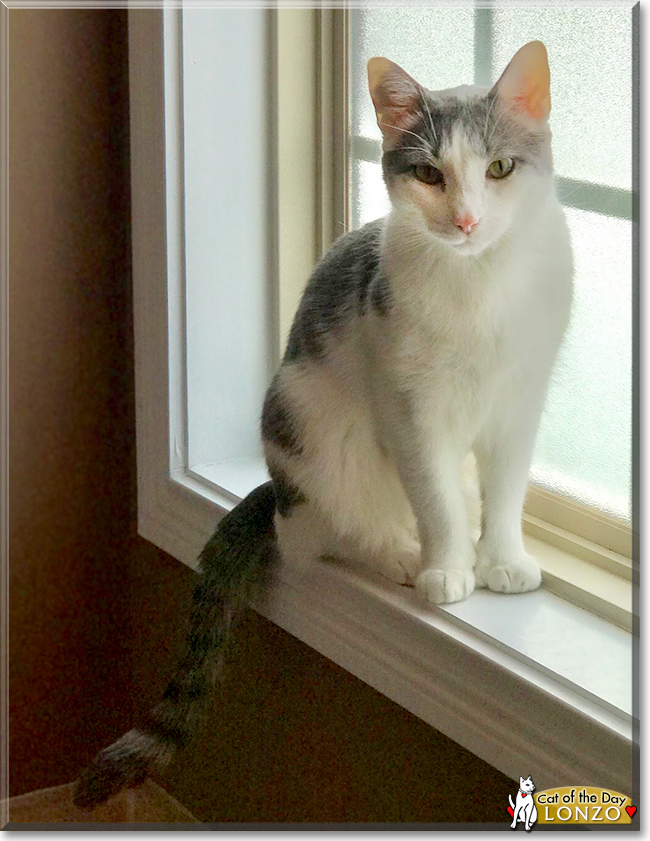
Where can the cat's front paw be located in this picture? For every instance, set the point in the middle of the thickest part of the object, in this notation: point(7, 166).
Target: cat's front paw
point(445, 586)
point(505, 570)
point(519, 576)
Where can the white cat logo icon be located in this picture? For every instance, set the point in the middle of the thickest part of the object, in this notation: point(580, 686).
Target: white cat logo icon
point(524, 809)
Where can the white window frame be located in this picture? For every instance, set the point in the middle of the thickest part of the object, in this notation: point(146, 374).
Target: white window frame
point(440, 663)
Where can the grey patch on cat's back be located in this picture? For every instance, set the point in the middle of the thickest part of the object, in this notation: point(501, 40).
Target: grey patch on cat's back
point(278, 425)
point(336, 291)
point(287, 495)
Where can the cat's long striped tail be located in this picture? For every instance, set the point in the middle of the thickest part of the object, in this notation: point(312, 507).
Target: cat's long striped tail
point(230, 563)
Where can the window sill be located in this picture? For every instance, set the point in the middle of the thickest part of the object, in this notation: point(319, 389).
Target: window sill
point(570, 566)
point(528, 682)
point(584, 584)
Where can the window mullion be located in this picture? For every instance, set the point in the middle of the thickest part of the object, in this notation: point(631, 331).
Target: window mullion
point(596, 198)
point(333, 141)
point(483, 47)
point(296, 156)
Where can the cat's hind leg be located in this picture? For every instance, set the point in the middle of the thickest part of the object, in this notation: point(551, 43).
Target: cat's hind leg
point(369, 516)
point(308, 530)
point(300, 529)
point(398, 557)
point(341, 469)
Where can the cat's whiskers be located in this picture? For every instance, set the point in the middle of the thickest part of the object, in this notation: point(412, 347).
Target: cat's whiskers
point(494, 128)
point(497, 122)
point(406, 131)
point(431, 125)
point(487, 116)
point(570, 193)
point(426, 154)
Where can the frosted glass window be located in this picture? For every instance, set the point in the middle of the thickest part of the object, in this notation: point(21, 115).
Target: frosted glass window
point(414, 38)
point(590, 53)
point(369, 199)
point(584, 445)
point(226, 242)
point(583, 449)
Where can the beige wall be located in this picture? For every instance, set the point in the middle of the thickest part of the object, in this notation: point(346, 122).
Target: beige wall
point(71, 428)
point(97, 614)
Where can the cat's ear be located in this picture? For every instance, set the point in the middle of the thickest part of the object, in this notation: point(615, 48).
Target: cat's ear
point(395, 96)
point(526, 82)
point(521, 781)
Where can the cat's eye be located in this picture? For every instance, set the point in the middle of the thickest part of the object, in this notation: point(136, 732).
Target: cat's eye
point(429, 174)
point(501, 167)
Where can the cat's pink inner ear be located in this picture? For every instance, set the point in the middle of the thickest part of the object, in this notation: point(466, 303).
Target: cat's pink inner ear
point(394, 94)
point(526, 81)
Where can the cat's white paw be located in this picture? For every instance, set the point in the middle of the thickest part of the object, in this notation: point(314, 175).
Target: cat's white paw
point(445, 586)
point(401, 565)
point(514, 577)
point(505, 571)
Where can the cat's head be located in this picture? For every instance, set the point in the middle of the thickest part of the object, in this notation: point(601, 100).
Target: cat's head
point(526, 785)
point(463, 164)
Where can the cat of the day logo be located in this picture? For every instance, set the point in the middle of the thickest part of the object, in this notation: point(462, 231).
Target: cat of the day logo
point(568, 805)
point(523, 809)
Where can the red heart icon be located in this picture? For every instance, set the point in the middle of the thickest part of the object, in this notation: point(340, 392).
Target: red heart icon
point(630, 810)
point(511, 810)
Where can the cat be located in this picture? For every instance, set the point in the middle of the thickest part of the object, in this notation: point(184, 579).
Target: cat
point(524, 810)
point(419, 338)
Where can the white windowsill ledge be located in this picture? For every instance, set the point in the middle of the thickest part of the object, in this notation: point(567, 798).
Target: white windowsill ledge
point(529, 683)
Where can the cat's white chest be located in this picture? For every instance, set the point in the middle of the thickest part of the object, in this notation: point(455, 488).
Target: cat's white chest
point(453, 330)
point(466, 338)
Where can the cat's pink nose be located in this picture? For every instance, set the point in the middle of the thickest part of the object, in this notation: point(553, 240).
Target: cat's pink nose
point(466, 222)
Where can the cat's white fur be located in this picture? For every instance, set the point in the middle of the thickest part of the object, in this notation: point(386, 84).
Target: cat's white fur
point(462, 364)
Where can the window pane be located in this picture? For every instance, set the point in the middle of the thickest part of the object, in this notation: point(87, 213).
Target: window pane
point(369, 196)
point(590, 54)
point(226, 173)
point(584, 445)
point(418, 39)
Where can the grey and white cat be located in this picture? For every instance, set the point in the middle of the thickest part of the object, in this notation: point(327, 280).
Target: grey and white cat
point(426, 335)
point(420, 338)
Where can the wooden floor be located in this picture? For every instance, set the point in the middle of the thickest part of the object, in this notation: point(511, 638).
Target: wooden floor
point(149, 803)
